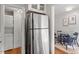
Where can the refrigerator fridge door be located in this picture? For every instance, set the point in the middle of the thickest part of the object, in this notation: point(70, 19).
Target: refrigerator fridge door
point(45, 40)
point(40, 21)
point(38, 45)
point(36, 41)
point(41, 41)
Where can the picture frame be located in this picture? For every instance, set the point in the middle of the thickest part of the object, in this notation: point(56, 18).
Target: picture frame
point(72, 19)
point(65, 21)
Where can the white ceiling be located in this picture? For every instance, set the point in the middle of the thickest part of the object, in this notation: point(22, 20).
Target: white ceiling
point(60, 8)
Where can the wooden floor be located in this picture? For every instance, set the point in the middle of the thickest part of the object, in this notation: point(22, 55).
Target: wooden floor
point(18, 51)
point(58, 51)
point(13, 51)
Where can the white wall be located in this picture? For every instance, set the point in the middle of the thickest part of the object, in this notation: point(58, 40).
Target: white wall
point(48, 10)
point(19, 33)
point(50, 13)
point(52, 28)
point(17, 5)
point(69, 28)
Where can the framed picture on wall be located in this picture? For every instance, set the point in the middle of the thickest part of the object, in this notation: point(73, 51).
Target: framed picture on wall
point(72, 19)
point(65, 21)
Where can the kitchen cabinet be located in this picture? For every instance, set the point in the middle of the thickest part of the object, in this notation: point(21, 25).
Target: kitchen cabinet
point(40, 8)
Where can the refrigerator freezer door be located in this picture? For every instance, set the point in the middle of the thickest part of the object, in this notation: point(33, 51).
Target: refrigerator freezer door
point(44, 21)
point(40, 21)
point(34, 21)
point(37, 20)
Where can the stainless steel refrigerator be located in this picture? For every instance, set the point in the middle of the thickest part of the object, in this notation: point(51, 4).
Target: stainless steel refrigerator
point(37, 34)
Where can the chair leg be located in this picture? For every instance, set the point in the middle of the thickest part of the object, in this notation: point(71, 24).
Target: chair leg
point(77, 43)
point(66, 46)
point(73, 47)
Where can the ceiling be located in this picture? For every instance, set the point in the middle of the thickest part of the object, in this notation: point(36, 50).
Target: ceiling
point(60, 8)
